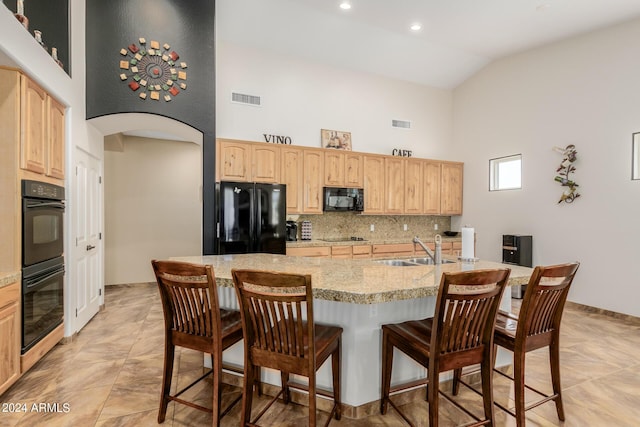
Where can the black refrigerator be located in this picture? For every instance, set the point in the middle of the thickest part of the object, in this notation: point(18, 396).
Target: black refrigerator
point(251, 218)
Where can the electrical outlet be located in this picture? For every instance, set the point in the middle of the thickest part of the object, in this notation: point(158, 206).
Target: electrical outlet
point(405, 227)
point(373, 310)
point(373, 227)
point(435, 226)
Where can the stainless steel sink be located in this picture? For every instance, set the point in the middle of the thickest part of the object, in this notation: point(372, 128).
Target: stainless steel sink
point(411, 262)
point(396, 263)
point(427, 261)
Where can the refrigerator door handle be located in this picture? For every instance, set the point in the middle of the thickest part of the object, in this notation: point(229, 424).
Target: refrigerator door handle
point(258, 219)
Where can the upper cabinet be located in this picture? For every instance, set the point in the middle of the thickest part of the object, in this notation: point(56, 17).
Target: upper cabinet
point(55, 160)
point(292, 176)
point(247, 162)
point(313, 179)
point(451, 189)
point(34, 122)
point(374, 184)
point(234, 160)
point(413, 186)
point(354, 170)
point(265, 161)
point(33, 126)
point(343, 169)
point(334, 168)
point(393, 185)
point(431, 187)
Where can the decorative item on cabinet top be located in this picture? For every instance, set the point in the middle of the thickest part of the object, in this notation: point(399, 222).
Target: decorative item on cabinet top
point(335, 139)
point(153, 69)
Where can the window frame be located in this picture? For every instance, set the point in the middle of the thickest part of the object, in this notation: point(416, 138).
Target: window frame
point(494, 176)
point(635, 156)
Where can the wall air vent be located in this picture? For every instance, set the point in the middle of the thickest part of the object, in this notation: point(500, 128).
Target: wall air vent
point(241, 98)
point(403, 124)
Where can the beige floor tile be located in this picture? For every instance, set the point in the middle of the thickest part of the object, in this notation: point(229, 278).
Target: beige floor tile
point(110, 376)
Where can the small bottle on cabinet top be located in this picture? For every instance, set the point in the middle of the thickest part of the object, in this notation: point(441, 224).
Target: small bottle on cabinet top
point(20, 14)
point(54, 55)
point(38, 36)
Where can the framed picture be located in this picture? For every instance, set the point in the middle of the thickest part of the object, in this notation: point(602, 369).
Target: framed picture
point(336, 139)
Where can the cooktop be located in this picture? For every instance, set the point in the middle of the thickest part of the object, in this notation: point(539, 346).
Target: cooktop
point(344, 239)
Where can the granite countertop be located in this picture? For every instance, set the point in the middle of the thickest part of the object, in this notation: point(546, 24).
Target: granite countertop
point(353, 281)
point(7, 278)
point(381, 241)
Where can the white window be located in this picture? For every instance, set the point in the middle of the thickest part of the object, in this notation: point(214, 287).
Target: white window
point(505, 173)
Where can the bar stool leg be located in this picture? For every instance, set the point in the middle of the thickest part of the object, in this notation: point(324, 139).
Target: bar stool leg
point(336, 373)
point(169, 353)
point(387, 363)
point(518, 377)
point(554, 359)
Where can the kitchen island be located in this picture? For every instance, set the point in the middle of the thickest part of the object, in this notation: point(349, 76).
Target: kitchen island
point(360, 296)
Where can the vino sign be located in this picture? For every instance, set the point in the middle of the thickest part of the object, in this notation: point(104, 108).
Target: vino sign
point(277, 139)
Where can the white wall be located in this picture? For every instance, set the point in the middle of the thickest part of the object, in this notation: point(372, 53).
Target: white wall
point(300, 97)
point(583, 91)
point(22, 51)
point(153, 206)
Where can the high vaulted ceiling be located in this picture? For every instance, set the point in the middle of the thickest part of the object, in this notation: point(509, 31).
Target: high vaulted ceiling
point(457, 38)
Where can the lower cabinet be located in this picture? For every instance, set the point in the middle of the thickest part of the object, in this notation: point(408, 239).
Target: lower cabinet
point(314, 251)
point(10, 333)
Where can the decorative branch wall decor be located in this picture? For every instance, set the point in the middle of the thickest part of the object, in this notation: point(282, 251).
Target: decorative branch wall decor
point(564, 170)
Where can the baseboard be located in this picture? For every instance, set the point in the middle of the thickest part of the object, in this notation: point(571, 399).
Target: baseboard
point(613, 314)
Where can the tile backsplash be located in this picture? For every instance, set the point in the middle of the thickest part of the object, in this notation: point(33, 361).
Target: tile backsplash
point(349, 224)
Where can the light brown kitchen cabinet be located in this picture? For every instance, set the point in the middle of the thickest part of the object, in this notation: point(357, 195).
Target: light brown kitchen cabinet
point(292, 176)
point(393, 250)
point(10, 333)
point(55, 147)
point(334, 168)
point(234, 160)
point(413, 186)
point(432, 179)
point(33, 123)
point(33, 126)
point(451, 189)
point(312, 251)
point(394, 185)
point(313, 180)
point(265, 163)
point(354, 170)
point(361, 251)
point(374, 184)
point(343, 169)
point(341, 252)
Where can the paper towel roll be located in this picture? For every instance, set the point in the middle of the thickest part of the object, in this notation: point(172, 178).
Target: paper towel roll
point(468, 237)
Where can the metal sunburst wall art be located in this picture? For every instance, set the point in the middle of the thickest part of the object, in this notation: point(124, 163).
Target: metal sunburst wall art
point(563, 172)
point(153, 70)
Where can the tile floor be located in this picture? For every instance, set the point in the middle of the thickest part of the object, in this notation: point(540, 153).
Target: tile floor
point(110, 376)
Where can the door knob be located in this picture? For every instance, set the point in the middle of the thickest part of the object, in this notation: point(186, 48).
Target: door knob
point(89, 247)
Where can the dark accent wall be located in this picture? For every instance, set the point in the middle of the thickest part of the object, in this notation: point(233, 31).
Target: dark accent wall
point(188, 27)
point(51, 17)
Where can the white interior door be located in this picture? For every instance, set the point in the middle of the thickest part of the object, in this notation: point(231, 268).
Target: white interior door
point(88, 238)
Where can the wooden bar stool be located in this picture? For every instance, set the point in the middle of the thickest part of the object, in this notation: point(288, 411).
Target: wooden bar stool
point(459, 334)
point(536, 326)
point(279, 333)
point(194, 320)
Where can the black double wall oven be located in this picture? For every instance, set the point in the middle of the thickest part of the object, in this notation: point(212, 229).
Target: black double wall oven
point(42, 260)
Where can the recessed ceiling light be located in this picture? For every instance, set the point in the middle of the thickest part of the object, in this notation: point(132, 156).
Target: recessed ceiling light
point(415, 27)
point(345, 5)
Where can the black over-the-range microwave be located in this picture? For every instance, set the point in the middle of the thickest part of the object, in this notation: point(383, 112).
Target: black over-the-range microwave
point(343, 199)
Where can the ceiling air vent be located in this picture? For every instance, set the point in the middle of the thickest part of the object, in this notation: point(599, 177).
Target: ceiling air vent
point(404, 124)
point(241, 98)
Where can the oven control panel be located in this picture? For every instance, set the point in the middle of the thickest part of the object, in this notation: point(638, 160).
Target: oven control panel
point(42, 190)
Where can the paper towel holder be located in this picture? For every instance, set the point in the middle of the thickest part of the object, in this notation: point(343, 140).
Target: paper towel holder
point(468, 259)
